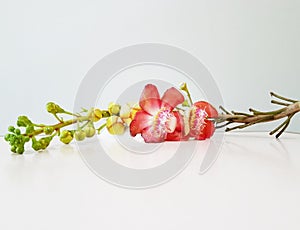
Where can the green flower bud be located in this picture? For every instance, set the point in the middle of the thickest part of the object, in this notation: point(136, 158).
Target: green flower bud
point(54, 108)
point(23, 121)
point(45, 141)
point(12, 139)
point(89, 131)
point(29, 129)
point(48, 130)
point(17, 131)
point(114, 108)
point(20, 150)
point(66, 136)
point(95, 115)
point(26, 138)
point(64, 133)
point(41, 144)
point(13, 149)
point(36, 145)
point(183, 87)
point(11, 129)
point(79, 135)
point(115, 125)
point(7, 137)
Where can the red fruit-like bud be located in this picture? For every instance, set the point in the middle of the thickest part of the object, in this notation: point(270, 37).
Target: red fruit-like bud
point(200, 127)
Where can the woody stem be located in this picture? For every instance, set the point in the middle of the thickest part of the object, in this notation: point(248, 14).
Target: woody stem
point(259, 117)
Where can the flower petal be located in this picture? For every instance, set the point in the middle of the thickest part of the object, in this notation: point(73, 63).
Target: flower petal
point(150, 99)
point(176, 136)
point(179, 133)
point(171, 98)
point(150, 137)
point(141, 121)
point(207, 131)
point(171, 124)
point(209, 109)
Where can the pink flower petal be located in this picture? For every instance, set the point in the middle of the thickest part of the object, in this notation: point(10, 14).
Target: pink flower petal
point(179, 121)
point(141, 121)
point(171, 124)
point(150, 137)
point(171, 98)
point(179, 132)
point(151, 106)
point(150, 99)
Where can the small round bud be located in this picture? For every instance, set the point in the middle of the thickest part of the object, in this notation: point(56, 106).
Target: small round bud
point(12, 139)
point(20, 150)
point(183, 87)
point(66, 136)
point(114, 108)
point(54, 108)
point(64, 133)
point(13, 149)
point(79, 135)
point(48, 130)
point(11, 129)
point(115, 125)
point(98, 113)
point(7, 137)
point(23, 121)
point(95, 115)
point(17, 131)
point(36, 145)
point(89, 131)
point(45, 141)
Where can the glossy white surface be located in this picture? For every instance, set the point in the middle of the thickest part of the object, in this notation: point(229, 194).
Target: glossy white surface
point(254, 184)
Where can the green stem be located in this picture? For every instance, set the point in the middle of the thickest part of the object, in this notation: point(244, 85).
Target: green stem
point(63, 124)
point(100, 128)
point(58, 126)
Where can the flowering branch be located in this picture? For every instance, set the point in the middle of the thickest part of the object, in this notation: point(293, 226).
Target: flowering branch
point(170, 117)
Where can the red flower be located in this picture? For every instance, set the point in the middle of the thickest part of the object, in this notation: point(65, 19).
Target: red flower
point(156, 121)
point(180, 133)
point(200, 127)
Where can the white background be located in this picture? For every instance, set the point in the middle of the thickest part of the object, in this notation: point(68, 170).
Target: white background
point(47, 47)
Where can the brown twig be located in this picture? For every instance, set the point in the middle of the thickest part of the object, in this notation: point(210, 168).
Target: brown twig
point(291, 107)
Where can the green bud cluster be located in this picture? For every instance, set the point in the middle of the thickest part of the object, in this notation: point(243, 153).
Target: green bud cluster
point(41, 143)
point(88, 131)
point(31, 131)
point(16, 140)
point(24, 121)
point(54, 108)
